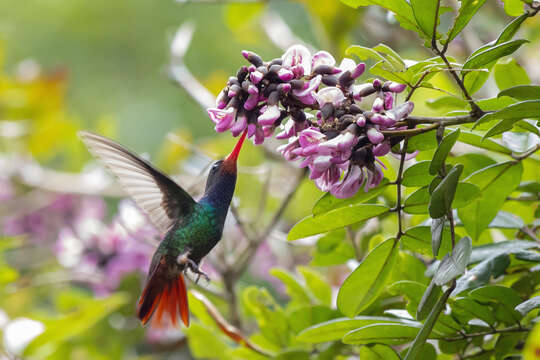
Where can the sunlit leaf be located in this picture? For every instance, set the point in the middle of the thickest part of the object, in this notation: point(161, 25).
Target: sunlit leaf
point(493, 53)
point(366, 282)
point(482, 273)
point(335, 329)
point(467, 10)
point(522, 92)
point(455, 263)
point(509, 73)
point(495, 182)
point(417, 174)
point(518, 111)
point(390, 334)
point(437, 227)
point(442, 151)
point(443, 195)
point(335, 219)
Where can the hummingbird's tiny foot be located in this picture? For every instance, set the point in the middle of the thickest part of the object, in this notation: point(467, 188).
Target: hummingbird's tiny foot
point(195, 269)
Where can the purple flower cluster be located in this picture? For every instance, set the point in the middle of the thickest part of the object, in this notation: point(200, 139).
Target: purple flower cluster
point(316, 106)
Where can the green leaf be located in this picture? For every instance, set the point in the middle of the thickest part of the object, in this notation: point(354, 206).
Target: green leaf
point(466, 309)
point(335, 329)
point(328, 202)
point(522, 92)
point(390, 334)
point(332, 249)
point(532, 187)
point(476, 140)
point(481, 273)
point(442, 151)
point(493, 53)
point(364, 53)
point(466, 11)
point(511, 29)
point(455, 263)
point(437, 227)
point(501, 127)
point(294, 289)
point(443, 195)
point(316, 283)
point(204, 342)
point(495, 182)
point(424, 333)
point(393, 57)
point(417, 202)
point(428, 301)
point(497, 293)
point(527, 306)
point(411, 290)
point(506, 220)
point(517, 111)
point(377, 352)
point(520, 142)
point(417, 174)
point(487, 251)
point(509, 73)
point(366, 282)
point(506, 343)
point(335, 219)
point(304, 317)
point(422, 142)
point(400, 8)
point(476, 79)
point(293, 355)
point(425, 13)
point(513, 7)
point(418, 239)
point(525, 255)
point(75, 324)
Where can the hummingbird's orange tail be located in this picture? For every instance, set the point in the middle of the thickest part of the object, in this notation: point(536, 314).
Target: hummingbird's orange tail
point(162, 295)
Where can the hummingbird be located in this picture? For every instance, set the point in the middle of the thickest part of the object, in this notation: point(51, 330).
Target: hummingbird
point(192, 228)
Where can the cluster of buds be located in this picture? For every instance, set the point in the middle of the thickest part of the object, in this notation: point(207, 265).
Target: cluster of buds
point(316, 106)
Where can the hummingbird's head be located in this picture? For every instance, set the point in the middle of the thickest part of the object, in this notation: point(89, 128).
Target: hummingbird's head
point(225, 168)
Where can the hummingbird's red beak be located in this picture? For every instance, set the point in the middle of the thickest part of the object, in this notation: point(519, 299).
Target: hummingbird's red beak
point(233, 156)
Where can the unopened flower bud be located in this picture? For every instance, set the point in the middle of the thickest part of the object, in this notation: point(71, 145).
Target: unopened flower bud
point(378, 105)
point(242, 73)
point(251, 102)
point(394, 87)
point(297, 84)
point(345, 79)
point(327, 110)
point(355, 109)
point(256, 77)
point(363, 90)
point(284, 88)
point(326, 69)
point(374, 135)
point(285, 75)
point(361, 120)
point(330, 80)
point(358, 70)
point(273, 98)
point(388, 101)
point(377, 84)
point(252, 58)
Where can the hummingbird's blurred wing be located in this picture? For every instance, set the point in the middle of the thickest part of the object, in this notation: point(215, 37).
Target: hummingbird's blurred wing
point(163, 200)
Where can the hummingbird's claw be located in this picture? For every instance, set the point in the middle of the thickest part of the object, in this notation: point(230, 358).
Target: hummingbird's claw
point(184, 259)
point(195, 269)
